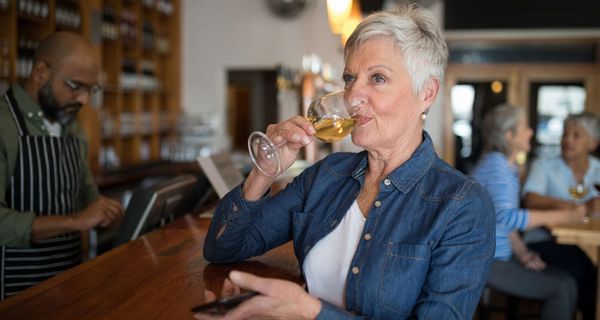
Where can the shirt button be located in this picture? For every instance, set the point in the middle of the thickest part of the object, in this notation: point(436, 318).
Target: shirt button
point(30, 114)
point(355, 270)
point(40, 113)
point(235, 208)
point(377, 204)
point(367, 236)
point(387, 182)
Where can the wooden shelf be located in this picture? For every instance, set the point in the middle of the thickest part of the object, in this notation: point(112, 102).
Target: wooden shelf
point(143, 106)
point(45, 22)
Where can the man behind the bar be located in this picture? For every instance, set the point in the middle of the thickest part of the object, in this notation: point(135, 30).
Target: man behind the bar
point(47, 194)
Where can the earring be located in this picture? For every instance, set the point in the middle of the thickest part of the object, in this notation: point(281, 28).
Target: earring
point(423, 116)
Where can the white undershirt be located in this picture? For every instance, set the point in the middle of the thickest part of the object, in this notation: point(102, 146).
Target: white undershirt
point(327, 264)
point(54, 129)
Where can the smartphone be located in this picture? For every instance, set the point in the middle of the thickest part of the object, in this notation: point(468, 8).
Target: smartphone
point(223, 305)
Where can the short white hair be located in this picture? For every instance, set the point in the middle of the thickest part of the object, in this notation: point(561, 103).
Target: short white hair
point(496, 123)
point(415, 33)
point(587, 121)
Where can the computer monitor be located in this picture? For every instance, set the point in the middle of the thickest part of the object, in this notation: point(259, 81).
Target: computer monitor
point(151, 207)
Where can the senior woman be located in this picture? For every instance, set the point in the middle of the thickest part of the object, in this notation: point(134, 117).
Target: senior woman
point(517, 269)
point(392, 232)
point(547, 187)
point(550, 180)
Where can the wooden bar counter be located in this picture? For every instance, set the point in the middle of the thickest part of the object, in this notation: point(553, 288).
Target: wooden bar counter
point(586, 236)
point(161, 275)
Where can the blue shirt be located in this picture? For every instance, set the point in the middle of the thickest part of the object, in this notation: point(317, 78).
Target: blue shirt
point(430, 243)
point(501, 180)
point(552, 177)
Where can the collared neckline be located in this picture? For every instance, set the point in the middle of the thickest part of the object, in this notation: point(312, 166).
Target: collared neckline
point(30, 109)
point(26, 103)
point(410, 172)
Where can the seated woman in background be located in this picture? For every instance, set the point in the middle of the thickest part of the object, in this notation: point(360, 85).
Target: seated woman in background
point(553, 183)
point(518, 270)
point(391, 232)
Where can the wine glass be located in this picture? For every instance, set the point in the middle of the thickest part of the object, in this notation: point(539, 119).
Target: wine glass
point(578, 191)
point(332, 116)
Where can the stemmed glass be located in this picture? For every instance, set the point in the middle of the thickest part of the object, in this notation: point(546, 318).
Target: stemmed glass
point(578, 191)
point(332, 117)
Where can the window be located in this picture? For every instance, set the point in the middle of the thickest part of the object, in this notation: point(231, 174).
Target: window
point(551, 103)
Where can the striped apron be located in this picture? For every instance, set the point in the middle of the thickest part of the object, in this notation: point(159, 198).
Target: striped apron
point(47, 180)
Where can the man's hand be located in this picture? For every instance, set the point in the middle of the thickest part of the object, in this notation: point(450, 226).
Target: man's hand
point(101, 212)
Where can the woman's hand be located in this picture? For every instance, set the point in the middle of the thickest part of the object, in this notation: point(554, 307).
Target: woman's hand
point(296, 132)
point(531, 260)
point(278, 299)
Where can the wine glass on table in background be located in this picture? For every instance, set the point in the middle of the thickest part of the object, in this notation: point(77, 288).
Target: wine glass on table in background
point(578, 191)
point(332, 116)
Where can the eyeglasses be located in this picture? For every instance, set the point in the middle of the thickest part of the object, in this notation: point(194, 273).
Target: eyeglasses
point(76, 86)
point(79, 87)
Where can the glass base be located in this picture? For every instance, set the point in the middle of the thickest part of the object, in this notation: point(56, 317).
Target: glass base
point(264, 153)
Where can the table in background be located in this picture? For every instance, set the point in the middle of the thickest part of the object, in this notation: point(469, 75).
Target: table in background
point(161, 275)
point(586, 236)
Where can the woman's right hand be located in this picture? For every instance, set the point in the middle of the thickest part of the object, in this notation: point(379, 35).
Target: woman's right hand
point(531, 260)
point(296, 132)
point(577, 214)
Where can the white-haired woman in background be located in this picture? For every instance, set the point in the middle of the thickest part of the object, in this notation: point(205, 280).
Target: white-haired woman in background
point(517, 269)
point(550, 184)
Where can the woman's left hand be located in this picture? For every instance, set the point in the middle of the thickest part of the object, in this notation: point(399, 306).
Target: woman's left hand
point(278, 299)
point(532, 261)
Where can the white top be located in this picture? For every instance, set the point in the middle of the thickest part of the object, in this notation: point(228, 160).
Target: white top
point(327, 264)
point(552, 177)
point(54, 129)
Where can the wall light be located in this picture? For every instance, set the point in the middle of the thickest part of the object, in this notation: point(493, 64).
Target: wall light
point(338, 12)
point(353, 20)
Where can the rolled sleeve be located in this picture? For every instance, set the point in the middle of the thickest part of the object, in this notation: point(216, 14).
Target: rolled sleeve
point(15, 228)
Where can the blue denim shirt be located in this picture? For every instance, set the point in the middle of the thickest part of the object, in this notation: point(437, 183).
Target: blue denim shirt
point(431, 227)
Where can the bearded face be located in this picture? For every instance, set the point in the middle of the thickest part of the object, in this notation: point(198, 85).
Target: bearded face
point(54, 111)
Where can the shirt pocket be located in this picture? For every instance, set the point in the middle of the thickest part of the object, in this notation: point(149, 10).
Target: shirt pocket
point(404, 271)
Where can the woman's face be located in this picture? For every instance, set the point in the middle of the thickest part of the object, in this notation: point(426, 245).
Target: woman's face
point(519, 140)
point(576, 141)
point(388, 113)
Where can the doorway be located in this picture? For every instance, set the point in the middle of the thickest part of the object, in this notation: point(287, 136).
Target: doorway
point(251, 103)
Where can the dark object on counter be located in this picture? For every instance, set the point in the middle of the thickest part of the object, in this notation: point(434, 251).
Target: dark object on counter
point(152, 207)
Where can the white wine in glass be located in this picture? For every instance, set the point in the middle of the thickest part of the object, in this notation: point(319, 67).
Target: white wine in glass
point(332, 117)
point(578, 191)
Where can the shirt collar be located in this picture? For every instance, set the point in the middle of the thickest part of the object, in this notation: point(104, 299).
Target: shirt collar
point(26, 103)
point(31, 109)
point(410, 172)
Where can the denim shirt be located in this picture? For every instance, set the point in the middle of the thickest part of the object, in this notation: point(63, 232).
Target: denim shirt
point(426, 247)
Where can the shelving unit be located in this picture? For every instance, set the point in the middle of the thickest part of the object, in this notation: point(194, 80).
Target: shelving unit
point(133, 121)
